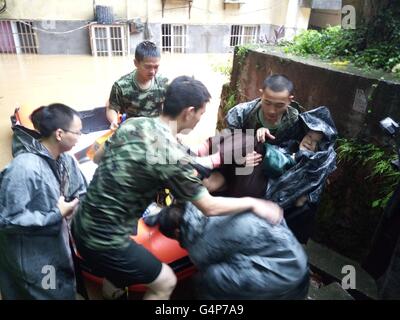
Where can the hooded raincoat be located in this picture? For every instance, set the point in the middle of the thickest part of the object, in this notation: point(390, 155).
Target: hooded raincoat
point(35, 257)
point(308, 175)
point(242, 256)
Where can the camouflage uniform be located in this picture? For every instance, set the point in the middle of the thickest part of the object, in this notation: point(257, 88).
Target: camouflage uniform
point(127, 97)
point(248, 115)
point(140, 158)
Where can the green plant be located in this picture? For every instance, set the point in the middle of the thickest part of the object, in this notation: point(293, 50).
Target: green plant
point(377, 161)
point(242, 52)
point(230, 102)
point(329, 43)
point(375, 45)
point(224, 69)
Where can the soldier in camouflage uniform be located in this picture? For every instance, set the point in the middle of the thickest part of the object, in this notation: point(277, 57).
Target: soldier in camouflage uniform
point(272, 110)
point(141, 92)
point(142, 157)
point(271, 117)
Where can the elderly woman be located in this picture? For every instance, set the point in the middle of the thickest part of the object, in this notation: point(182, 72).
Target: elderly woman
point(38, 191)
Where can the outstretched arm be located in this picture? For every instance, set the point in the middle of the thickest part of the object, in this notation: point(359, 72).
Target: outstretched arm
point(216, 206)
point(112, 116)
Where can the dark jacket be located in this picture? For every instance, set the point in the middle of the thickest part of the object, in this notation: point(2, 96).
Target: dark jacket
point(244, 257)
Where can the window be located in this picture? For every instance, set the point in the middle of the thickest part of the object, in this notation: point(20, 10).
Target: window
point(239, 2)
point(17, 37)
point(110, 40)
point(173, 38)
point(243, 34)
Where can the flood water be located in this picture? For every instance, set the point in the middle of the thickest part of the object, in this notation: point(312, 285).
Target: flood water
point(84, 82)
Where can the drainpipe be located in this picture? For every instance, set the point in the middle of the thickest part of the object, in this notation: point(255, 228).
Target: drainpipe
point(291, 19)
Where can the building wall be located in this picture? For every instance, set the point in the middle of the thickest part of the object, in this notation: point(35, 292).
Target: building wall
point(327, 4)
point(296, 19)
point(177, 11)
point(49, 10)
point(208, 29)
point(323, 18)
point(213, 12)
point(203, 38)
point(210, 38)
point(63, 43)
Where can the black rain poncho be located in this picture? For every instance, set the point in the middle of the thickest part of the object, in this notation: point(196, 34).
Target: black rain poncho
point(244, 257)
point(33, 233)
point(312, 169)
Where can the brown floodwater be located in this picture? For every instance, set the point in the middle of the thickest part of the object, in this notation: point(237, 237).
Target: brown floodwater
point(84, 82)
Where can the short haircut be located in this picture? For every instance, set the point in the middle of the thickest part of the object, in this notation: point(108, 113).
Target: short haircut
point(184, 92)
point(48, 119)
point(146, 49)
point(278, 83)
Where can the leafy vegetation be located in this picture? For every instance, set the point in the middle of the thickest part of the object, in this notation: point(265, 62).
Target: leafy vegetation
point(377, 161)
point(375, 45)
point(242, 52)
point(224, 68)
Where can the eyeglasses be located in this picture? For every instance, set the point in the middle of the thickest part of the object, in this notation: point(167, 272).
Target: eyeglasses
point(78, 133)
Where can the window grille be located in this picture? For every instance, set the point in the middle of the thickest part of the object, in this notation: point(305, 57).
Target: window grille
point(243, 34)
point(108, 40)
point(17, 37)
point(173, 38)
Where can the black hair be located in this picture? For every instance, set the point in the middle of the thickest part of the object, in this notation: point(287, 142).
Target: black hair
point(146, 49)
point(169, 220)
point(184, 92)
point(278, 83)
point(48, 119)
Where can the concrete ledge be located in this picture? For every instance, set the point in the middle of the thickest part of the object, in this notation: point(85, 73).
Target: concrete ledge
point(332, 263)
point(332, 291)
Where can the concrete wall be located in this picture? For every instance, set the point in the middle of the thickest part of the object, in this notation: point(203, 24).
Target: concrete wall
point(297, 19)
point(212, 12)
point(76, 42)
point(208, 28)
point(49, 10)
point(327, 4)
point(202, 38)
point(177, 11)
point(210, 38)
